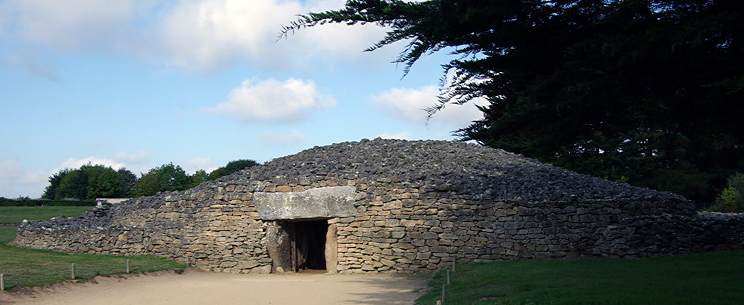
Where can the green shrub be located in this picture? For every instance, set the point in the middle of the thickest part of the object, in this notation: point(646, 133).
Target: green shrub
point(731, 199)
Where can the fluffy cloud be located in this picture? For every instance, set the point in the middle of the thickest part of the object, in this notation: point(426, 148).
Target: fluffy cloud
point(197, 35)
point(460, 115)
point(69, 25)
point(209, 34)
point(138, 157)
point(16, 181)
point(73, 163)
point(293, 137)
point(398, 136)
point(31, 64)
point(407, 103)
point(339, 41)
point(411, 104)
point(10, 169)
point(198, 163)
point(273, 100)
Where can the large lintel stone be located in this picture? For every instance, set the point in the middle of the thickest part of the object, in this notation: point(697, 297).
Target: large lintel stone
point(323, 202)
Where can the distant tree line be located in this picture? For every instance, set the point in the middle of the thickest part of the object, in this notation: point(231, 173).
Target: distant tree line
point(99, 181)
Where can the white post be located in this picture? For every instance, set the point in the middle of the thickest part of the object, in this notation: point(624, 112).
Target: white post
point(454, 261)
point(448, 277)
point(127, 265)
point(443, 291)
point(2, 282)
point(72, 270)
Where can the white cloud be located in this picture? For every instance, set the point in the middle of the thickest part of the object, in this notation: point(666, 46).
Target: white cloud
point(138, 157)
point(294, 137)
point(71, 24)
point(460, 115)
point(15, 181)
point(73, 163)
point(35, 177)
point(209, 34)
point(32, 65)
point(340, 40)
point(198, 163)
point(444, 137)
point(10, 169)
point(212, 33)
point(411, 104)
point(273, 100)
point(406, 135)
point(407, 103)
point(197, 35)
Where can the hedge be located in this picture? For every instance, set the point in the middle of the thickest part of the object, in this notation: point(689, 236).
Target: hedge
point(44, 202)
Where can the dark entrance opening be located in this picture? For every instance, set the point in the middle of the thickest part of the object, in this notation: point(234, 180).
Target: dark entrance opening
point(308, 240)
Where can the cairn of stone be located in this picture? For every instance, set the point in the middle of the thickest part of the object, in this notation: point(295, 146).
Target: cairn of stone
point(391, 206)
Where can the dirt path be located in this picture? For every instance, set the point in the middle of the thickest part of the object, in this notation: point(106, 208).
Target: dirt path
point(200, 287)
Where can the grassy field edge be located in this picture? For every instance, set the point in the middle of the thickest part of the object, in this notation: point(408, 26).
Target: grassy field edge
point(16, 214)
point(22, 267)
point(708, 278)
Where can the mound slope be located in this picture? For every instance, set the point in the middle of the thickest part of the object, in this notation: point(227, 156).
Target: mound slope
point(462, 167)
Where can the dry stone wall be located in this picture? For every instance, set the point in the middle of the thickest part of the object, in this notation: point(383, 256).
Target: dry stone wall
point(418, 205)
point(668, 234)
point(401, 229)
point(208, 228)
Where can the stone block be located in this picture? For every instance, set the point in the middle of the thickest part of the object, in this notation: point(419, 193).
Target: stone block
point(325, 202)
point(423, 255)
point(266, 269)
point(247, 264)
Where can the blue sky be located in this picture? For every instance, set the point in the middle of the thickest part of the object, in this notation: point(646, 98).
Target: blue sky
point(141, 83)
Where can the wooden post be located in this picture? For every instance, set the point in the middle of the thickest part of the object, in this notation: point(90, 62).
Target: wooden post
point(448, 277)
point(2, 282)
point(187, 262)
point(444, 287)
point(454, 261)
point(293, 244)
point(72, 270)
point(127, 265)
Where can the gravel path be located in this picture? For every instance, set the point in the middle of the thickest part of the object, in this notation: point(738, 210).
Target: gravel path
point(200, 287)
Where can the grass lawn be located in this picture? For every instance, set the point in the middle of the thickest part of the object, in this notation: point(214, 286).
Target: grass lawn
point(28, 267)
point(710, 278)
point(18, 214)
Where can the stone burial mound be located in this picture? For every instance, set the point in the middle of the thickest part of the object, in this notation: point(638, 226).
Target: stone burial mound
point(391, 206)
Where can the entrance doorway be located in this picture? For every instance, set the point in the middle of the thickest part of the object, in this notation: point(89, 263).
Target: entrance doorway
point(296, 245)
point(308, 240)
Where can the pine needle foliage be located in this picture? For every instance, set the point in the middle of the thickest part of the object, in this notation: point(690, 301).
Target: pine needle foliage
point(644, 91)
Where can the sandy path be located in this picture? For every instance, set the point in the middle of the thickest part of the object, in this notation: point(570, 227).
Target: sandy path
point(200, 287)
